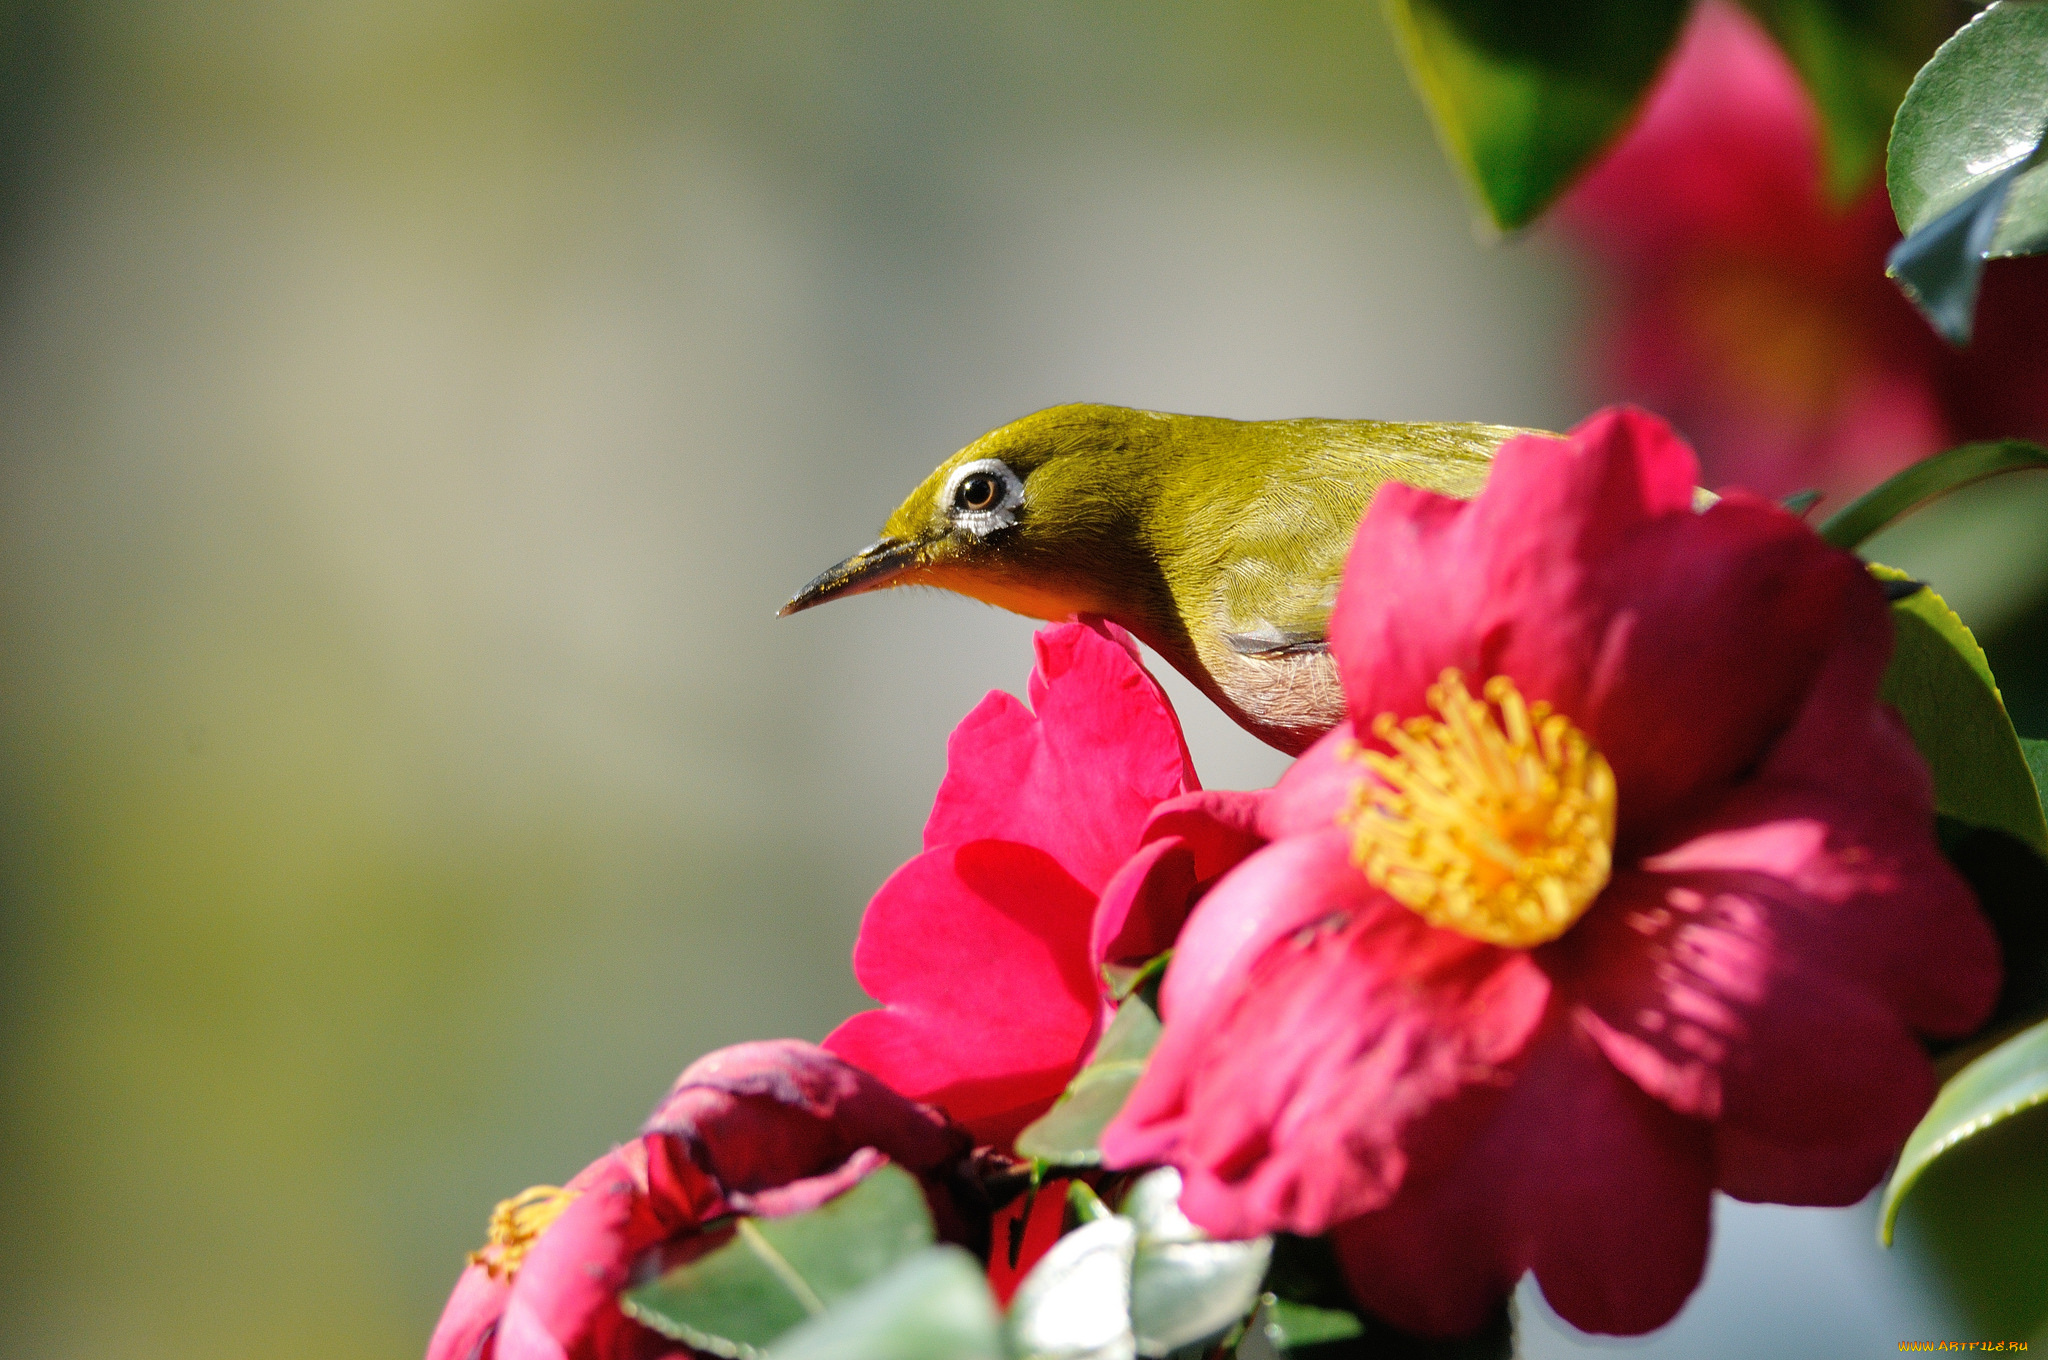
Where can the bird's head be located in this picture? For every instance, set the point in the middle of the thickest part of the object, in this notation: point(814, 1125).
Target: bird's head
point(1028, 517)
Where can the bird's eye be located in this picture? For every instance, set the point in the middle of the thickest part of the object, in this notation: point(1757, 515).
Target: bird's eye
point(978, 491)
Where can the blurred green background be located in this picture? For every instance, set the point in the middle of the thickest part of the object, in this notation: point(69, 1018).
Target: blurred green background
point(411, 416)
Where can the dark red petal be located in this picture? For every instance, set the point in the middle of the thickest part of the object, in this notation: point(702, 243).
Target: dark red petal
point(1692, 993)
point(801, 1196)
point(1576, 1175)
point(1220, 826)
point(1289, 1099)
point(1077, 779)
point(760, 1115)
point(1145, 903)
point(979, 954)
point(563, 1304)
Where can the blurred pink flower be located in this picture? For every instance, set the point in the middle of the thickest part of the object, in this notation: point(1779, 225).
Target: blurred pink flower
point(1065, 835)
point(1526, 972)
point(1757, 315)
point(765, 1129)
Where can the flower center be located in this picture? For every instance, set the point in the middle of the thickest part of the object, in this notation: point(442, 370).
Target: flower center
point(1495, 819)
point(515, 1223)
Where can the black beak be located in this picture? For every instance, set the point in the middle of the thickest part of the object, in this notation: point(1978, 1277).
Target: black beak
point(871, 568)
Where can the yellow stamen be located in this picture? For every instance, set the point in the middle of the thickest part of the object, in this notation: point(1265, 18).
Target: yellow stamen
point(515, 1223)
point(1496, 821)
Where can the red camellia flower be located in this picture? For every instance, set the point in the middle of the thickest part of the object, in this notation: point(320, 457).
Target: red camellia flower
point(1756, 314)
point(764, 1129)
point(1065, 835)
point(1618, 886)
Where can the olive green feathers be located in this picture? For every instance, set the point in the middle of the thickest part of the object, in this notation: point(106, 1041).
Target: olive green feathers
point(1218, 543)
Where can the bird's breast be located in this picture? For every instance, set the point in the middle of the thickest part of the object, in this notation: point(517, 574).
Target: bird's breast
point(1288, 697)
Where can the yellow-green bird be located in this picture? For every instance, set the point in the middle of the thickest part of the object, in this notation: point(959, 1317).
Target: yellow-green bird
point(1218, 543)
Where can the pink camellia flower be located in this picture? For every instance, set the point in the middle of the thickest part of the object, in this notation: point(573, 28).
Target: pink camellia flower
point(764, 1129)
point(1618, 886)
point(1756, 313)
point(1065, 835)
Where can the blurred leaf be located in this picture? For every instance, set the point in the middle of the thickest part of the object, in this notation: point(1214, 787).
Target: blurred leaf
point(1977, 1222)
point(1076, 1302)
point(1525, 95)
point(1070, 1133)
point(1289, 1326)
point(1963, 168)
point(1124, 979)
point(1942, 686)
point(1857, 58)
point(1927, 480)
point(1305, 1286)
point(2036, 755)
point(777, 1273)
point(1184, 1287)
point(1799, 502)
point(2010, 1078)
point(2011, 883)
point(934, 1305)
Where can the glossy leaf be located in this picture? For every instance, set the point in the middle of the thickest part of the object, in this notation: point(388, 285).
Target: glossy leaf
point(1184, 1287)
point(1070, 1133)
point(1289, 1326)
point(1926, 481)
point(1856, 58)
point(1941, 684)
point(1525, 95)
point(935, 1305)
point(1076, 1302)
point(1964, 168)
point(777, 1273)
point(2010, 1078)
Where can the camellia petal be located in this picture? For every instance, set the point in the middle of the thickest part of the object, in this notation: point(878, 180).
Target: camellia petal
point(1755, 312)
point(1077, 773)
point(980, 955)
point(1349, 1028)
point(985, 951)
point(1573, 1173)
point(1681, 643)
point(1522, 978)
point(765, 1128)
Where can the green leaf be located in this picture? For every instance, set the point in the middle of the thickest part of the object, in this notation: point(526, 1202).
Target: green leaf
point(1290, 1326)
point(1941, 684)
point(1184, 1287)
point(1524, 95)
point(2010, 1078)
point(1964, 167)
point(1076, 1302)
point(934, 1305)
point(1927, 480)
point(1857, 58)
point(1070, 1133)
point(776, 1273)
point(2036, 755)
point(1976, 1228)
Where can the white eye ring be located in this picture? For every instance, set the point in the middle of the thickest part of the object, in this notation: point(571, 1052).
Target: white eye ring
point(1000, 514)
